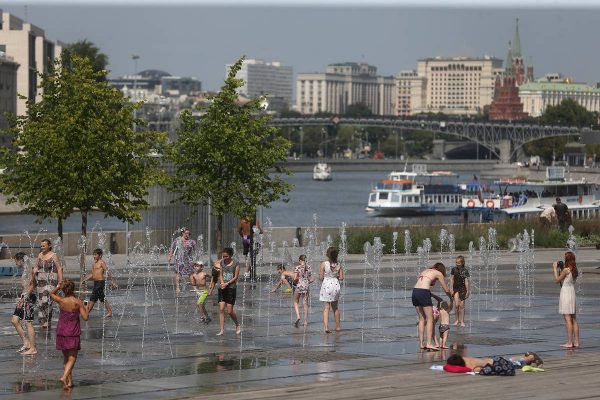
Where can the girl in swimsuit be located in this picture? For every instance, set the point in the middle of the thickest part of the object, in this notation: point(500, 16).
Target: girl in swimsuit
point(421, 299)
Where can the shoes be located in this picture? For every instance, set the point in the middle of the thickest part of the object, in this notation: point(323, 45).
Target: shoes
point(207, 320)
point(296, 323)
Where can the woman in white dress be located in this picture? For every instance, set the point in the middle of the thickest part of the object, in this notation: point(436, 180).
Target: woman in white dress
point(566, 276)
point(331, 273)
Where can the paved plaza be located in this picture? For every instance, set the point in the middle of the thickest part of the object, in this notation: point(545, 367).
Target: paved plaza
point(155, 346)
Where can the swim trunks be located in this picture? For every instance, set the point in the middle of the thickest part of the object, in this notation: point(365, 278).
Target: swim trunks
point(499, 366)
point(227, 295)
point(25, 311)
point(202, 295)
point(98, 291)
point(443, 328)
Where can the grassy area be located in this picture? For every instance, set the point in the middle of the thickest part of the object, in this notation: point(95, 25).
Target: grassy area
point(587, 233)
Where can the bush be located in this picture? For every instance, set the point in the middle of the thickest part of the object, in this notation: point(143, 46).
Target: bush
point(544, 237)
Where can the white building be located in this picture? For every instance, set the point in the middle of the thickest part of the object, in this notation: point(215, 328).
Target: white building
point(537, 96)
point(27, 45)
point(266, 78)
point(453, 85)
point(343, 85)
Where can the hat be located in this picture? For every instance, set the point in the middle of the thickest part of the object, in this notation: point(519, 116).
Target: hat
point(199, 262)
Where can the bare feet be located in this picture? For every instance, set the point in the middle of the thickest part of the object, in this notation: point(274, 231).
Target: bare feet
point(63, 380)
point(566, 346)
point(23, 348)
point(238, 329)
point(45, 325)
point(462, 324)
point(327, 331)
point(108, 315)
point(220, 333)
point(431, 348)
point(455, 323)
point(30, 352)
point(444, 347)
point(338, 329)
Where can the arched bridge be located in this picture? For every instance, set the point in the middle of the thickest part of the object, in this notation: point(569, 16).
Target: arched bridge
point(503, 139)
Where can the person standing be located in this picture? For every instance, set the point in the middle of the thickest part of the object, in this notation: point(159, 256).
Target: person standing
point(459, 282)
point(567, 305)
point(331, 273)
point(182, 254)
point(24, 309)
point(562, 214)
point(246, 231)
point(48, 274)
point(198, 280)
point(228, 276)
point(68, 329)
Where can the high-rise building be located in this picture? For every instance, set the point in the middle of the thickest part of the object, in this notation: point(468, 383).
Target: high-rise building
point(345, 84)
point(411, 93)
point(28, 46)
point(262, 78)
point(8, 90)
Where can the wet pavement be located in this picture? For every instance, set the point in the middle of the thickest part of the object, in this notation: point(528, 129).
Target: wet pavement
point(155, 346)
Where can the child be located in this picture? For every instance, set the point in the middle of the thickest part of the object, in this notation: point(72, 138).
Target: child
point(459, 281)
point(68, 330)
point(98, 270)
point(198, 282)
point(24, 308)
point(444, 311)
point(284, 279)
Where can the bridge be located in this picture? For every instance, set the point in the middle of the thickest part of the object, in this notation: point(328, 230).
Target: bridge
point(503, 139)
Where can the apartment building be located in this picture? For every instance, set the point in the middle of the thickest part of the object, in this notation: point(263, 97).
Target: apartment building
point(269, 78)
point(28, 46)
point(8, 90)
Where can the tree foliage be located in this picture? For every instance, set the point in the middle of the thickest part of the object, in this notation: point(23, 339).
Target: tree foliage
point(227, 157)
point(76, 150)
point(86, 49)
point(358, 110)
point(567, 113)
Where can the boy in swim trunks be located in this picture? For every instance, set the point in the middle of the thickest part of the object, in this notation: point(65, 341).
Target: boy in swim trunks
point(284, 280)
point(99, 269)
point(198, 282)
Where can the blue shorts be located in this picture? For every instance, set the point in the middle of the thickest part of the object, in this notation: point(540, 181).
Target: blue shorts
point(421, 298)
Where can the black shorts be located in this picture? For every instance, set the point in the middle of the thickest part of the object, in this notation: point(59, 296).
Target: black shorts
point(227, 295)
point(421, 297)
point(247, 243)
point(98, 292)
point(25, 312)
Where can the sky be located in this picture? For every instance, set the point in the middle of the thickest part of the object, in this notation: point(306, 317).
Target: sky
point(199, 37)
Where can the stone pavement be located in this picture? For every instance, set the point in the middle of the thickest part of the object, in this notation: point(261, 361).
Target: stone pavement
point(155, 347)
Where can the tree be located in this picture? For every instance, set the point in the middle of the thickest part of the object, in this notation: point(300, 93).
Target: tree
point(228, 157)
point(86, 49)
point(76, 150)
point(358, 110)
point(567, 113)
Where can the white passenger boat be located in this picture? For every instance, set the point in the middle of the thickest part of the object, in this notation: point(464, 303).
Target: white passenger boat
point(417, 193)
point(519, 198)
point(322, 172)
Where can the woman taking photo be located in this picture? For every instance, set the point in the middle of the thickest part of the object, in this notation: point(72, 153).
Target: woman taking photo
point(567, 305)
point(421, 299)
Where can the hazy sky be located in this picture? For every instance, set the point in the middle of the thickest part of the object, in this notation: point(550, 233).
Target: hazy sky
point(195, 38)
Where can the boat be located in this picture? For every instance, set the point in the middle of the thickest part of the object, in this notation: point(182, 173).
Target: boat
point(417, 192)
point(322, 172)
point(519, 198)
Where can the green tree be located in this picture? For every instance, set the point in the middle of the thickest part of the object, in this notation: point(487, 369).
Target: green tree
point(76, 150)
point(86, 49)
point(227, 157)
point(567, 113)
point(358, 110)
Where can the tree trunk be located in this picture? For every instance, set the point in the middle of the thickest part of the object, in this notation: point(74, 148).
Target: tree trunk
point(219, 234)
point(83, 248)
point(60, 229)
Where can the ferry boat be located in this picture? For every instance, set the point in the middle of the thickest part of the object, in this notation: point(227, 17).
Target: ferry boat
point(519, 198)
point(322, 172)
point(417, 193)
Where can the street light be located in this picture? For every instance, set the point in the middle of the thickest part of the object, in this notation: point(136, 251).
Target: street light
point(134, 57)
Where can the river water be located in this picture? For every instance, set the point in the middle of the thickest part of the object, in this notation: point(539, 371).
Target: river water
point(342, 199)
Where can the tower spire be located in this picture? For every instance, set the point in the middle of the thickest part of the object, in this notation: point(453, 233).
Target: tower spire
point(516, 49)
point(508, 63)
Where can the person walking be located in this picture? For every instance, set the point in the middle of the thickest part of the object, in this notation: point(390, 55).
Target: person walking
point(182, 254)
point(48, 274)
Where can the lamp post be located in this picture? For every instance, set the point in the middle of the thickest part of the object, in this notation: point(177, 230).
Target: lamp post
point(134, 57)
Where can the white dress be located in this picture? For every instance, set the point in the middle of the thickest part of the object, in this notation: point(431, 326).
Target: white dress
point(567, 303)
point(330, 288)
